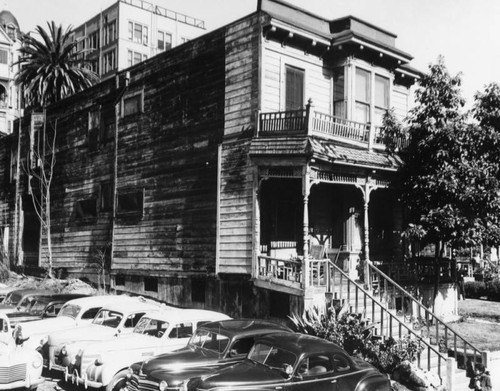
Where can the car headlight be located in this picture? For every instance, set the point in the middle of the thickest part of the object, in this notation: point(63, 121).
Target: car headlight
point(64, 351)
point(163, 385)
point(37, 362)
point(43, 341)
point(99, 361)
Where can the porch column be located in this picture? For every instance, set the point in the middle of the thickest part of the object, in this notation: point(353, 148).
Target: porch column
point(256, 232)
point(366, 269)
point(305, 193)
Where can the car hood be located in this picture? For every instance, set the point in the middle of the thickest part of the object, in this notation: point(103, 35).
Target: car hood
point(93, 332)
point(124, 343)
point(6, 306)
point(244, 373)
point(181, 359)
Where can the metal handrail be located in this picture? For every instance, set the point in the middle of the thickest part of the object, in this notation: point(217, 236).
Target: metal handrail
point(375, 302)
point(428, 314)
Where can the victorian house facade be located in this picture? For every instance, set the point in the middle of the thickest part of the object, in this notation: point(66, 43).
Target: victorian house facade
point(243, 171)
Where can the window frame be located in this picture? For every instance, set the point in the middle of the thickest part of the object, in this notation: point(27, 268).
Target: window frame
point(302, 71)
point(135, 95)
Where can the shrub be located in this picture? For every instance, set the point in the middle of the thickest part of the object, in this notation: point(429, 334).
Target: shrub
point(475, 289)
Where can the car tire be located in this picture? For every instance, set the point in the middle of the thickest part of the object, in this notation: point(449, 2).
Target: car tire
point(118, 381)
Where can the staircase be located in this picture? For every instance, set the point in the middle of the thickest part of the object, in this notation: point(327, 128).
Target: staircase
point(444, 350)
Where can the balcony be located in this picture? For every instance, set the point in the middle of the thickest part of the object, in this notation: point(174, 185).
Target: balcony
point(308, 122)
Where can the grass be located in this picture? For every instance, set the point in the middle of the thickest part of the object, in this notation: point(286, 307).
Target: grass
point(481, 324)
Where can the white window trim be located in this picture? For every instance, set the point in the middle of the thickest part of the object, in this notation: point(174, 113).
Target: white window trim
point(284, 62)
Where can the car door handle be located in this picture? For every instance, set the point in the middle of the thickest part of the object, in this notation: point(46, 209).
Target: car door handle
point(334, 381)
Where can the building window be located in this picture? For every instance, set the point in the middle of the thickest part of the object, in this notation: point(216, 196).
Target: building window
point(132, 104)
point(4, 56)
point(198, 287)
point(294, 88)
point(164, 40)
point(381, 98)
point(184, 40)
point(130, 203)
point(362, 96)
point(109, 32)
point(138, 33)
point(94, 120)
point(108, 61)
point(135, 57)
point(86, 209)
point(339, 93)
point(94, 40)
point(151, 284)
point(105, 197)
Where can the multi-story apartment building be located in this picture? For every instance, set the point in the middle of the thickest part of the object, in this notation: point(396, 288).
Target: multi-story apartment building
point(9, 97)
point(131, 31)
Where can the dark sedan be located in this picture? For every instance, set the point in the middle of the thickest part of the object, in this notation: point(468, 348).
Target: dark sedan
point(294, 362)
point(214, 345)
point(21, 299)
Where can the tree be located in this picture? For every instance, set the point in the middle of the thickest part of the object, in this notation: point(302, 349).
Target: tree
point(51, 68)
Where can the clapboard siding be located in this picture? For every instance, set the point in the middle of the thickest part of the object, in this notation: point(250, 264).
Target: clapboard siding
point(400, 101)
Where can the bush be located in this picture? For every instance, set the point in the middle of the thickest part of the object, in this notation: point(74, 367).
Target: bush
point(355, 334)
point(478, 289)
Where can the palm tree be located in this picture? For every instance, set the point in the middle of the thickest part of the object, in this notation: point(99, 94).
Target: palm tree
point(51, 68)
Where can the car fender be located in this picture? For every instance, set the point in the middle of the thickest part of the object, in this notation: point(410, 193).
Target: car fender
point(104, 373)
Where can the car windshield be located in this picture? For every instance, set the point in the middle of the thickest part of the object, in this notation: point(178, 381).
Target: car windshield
point(209, 341)
point(272, 356)
point(70, 310)
point(108, 318)
point(12, 298)
point(39, 305)
point(153, 327)
point(26, 303)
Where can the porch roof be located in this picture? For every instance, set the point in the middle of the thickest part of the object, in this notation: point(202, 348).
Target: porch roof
point(325, 150)
point(347, 154)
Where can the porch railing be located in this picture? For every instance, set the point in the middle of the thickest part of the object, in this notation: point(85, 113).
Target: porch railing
point(323, 273)
point(280, 271)
point(309, 122)
point(426, 320)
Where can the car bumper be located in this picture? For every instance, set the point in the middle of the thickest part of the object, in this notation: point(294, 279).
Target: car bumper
point(82, 380)
point(21, 384)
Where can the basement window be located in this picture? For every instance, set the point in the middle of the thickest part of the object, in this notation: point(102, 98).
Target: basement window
point(133, 104)
point(151, 284)
point(119, 280)
point(198, 290)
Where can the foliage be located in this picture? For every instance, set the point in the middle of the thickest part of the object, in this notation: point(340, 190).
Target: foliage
point(100, 262)
point(450, 180)
point(51, 68)
point(478, 289)
point(354, 333)
point(392, 133)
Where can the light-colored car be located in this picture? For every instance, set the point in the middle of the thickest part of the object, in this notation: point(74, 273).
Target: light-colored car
point(75, 313)
point(20, 367)
point(105, 364)
point(110, 322)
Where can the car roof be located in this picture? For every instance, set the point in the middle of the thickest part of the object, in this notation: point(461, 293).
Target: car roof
point(100, 300)
point(245, 327)
point(298, 343)
point(131, 306)
point(186, 315)
point(32, 291)
point(59, 297)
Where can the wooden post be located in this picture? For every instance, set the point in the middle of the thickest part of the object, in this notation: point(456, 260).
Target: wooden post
point(366, 196)
point(309, 116)
point(305, 193)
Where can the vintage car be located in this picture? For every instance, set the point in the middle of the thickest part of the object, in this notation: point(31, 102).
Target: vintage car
point(294, 362)
point(213, 346)
point(105, 364)
point(4, 291)
point(111, 321)
point(42, 307)
point(20, 367)
point(21, 299)
point(75, 313)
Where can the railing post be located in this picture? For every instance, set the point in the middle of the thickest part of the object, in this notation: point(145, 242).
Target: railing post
point(309, 116)
point(450, 374)
point(371, 136)
point(257, 123)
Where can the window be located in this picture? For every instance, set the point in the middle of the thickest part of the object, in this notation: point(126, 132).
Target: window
point(339, 93)
point(362, 96)
point(130, 202)
point(132, 105)
point(85, 209)
point(93, 129)
point(315, 365)
point(182, 330)
point(151, 284)
point(108, 61)
point(105, 197)
point(91, 313)
point(94, 40)
point(198, 290)
point(294, 89)
point(381, 98)
point(120, 280)
point(341, 363)
point(109, 32)
point(164, 40)
point(135, 57)
point(4, 56)
point(138, 33)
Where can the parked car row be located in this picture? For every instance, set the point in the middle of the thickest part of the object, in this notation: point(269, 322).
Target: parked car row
point(121, 342)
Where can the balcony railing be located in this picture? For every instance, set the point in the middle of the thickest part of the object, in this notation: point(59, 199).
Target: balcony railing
point(310, 122)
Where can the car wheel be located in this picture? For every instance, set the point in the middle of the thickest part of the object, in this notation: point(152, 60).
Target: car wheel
point(118, 382)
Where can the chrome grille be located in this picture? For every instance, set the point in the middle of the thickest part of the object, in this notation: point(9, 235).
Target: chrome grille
point(133, 383)
point(147, 385)
point(12, 374)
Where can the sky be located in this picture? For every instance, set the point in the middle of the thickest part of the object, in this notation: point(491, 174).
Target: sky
point(465, 32)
